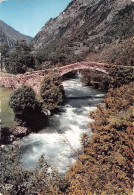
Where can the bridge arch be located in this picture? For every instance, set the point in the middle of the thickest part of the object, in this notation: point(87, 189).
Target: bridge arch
point(34, 78)
point(81, 66)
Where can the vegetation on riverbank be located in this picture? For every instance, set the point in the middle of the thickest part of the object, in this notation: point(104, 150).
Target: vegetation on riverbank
point(118, 76)
point(15, 180)
point(105, 165)
point(52, 92)
point(31, 110)
point(27, 109)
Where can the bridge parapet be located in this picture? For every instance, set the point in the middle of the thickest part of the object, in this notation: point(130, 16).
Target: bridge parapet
point(34, 78)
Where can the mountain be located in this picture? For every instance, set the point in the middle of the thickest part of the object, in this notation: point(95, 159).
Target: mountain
point(84, 28)
point(10, 35)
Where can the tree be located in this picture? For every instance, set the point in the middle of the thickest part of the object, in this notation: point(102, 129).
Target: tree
point(20, 59)
point(39, 59)
point(4, 50)
point(52, 92)
point(27, 108)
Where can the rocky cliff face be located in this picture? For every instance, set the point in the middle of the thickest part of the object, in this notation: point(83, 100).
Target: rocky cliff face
point(10, 35)
point(87, 26)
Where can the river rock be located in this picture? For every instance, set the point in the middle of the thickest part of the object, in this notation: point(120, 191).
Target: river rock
point(19, 131)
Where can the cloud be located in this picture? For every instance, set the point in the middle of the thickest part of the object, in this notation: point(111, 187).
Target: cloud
point(2, 0)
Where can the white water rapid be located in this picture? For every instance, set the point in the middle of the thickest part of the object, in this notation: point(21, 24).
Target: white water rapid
point(62, 138)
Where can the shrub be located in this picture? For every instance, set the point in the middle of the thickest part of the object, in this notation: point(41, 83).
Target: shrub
point(26, 108)
point(96, 79)
point(40, 180)
point(52, 92)
point(118, 76)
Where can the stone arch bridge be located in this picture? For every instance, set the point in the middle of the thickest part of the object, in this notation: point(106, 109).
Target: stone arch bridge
point(33, 79)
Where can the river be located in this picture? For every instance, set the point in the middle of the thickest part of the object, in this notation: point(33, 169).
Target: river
point(61, 140)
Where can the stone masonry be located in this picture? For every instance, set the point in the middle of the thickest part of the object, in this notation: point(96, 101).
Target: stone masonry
point(33, 79)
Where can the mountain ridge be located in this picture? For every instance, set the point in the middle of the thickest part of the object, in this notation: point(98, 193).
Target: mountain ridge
point(9, 35)
point(86, 26)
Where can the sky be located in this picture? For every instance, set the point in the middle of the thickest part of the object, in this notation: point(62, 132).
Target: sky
point(29, 16)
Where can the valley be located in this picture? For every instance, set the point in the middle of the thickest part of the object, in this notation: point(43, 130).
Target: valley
point(67, 102)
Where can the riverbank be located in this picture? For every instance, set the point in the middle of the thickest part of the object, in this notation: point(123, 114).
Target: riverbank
point(107, 157)
point(60, 140)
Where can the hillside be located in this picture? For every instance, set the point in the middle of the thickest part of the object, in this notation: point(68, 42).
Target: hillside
point(84, 28)
point(10, 35)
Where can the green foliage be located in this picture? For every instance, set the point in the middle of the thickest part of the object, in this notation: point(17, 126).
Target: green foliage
point(14, 64)
point(63, 56)
point(41, 180)
point(52, 92)
point(23, 99)
point(26, 108)
point(20, 59)
point(4, 49)
point(118, 76)
point(52, 56)
point(106, 164)
point(96, 79)
point(39, 59)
